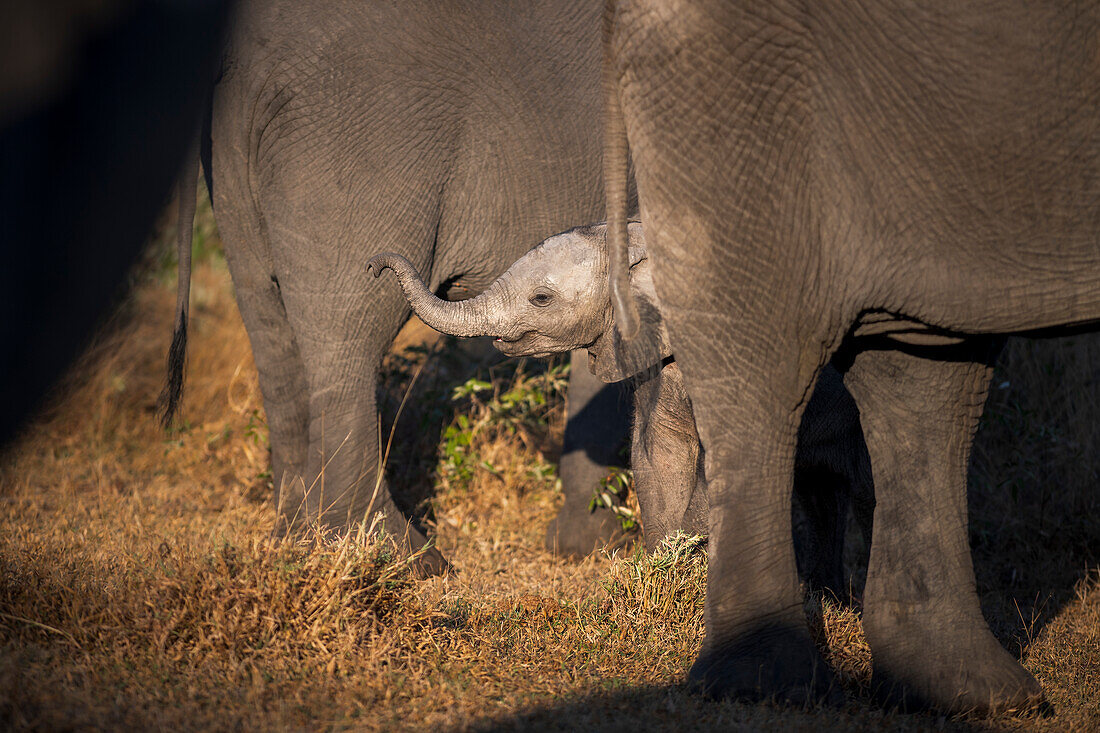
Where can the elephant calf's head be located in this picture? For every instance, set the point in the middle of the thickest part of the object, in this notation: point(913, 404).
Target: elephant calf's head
point(553, 299)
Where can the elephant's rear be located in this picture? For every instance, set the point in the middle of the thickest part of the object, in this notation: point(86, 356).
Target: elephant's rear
point(456, 136)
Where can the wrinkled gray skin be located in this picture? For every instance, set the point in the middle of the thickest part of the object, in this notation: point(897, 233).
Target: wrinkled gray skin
point(458, 134)
point(555, 299)
point(899, 184)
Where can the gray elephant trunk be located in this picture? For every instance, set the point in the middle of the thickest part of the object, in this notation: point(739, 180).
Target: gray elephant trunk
point(474, 317)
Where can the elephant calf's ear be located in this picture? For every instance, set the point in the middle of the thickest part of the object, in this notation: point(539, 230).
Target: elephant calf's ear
point(615, 359)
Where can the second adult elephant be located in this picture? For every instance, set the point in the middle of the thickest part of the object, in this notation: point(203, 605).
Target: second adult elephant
point(458, 134)
point(900, 184)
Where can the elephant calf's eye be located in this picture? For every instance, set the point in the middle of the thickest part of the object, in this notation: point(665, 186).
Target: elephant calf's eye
point(541, 299)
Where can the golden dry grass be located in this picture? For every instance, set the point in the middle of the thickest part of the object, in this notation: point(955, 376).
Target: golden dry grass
point(139, 589)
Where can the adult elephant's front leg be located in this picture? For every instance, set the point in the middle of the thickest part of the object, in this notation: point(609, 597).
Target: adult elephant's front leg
point(929, 643)
point(598, 415)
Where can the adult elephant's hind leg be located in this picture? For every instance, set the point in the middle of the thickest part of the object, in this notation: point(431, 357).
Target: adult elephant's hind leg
point(282, 379)
point(344, 336)
point(929, 643)
point(597, 419)
point(274, 347)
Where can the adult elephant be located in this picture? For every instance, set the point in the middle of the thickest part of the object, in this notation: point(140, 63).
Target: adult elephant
point(896, 183)
point(458, 134)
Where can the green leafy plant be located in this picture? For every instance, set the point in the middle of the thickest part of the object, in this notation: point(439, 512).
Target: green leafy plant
point(543, 471)
point(470, 387)
point(609, 495)
point(457, 460)
point(510, 403)
point(525, 404)
point(256, 430)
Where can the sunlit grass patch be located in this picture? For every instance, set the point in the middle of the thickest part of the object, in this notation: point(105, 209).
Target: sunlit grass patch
point(206, 603)
point(194, 625)
point(662, 592)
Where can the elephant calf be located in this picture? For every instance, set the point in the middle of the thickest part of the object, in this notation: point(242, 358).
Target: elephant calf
point(554, 299)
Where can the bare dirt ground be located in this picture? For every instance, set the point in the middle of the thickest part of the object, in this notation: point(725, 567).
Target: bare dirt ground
point(139, 588)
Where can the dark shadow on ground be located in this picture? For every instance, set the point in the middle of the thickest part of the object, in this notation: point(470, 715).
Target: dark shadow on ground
point(658, 708)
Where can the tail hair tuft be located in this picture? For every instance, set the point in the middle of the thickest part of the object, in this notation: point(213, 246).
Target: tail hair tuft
point(169, 400)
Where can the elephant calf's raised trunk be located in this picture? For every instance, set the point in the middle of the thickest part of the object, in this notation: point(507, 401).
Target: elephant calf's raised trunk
point(478, 316)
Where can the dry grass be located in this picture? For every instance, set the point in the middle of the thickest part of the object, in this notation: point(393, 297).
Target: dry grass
point(139, 589)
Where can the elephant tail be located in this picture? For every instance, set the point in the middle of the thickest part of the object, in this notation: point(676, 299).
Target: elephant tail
point(169, 400)
point(615, 175)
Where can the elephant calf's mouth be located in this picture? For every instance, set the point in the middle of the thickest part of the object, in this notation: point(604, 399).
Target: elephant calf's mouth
point(516, 347)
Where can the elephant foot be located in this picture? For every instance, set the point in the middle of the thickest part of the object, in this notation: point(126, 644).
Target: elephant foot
point(773, 663)
point(576, 532)
point(960, 670)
